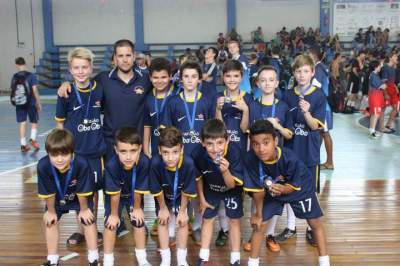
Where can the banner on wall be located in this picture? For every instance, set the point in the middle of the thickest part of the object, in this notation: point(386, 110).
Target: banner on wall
point(349, 16)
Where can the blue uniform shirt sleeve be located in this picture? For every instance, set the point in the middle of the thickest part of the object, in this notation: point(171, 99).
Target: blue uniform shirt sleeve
point(319, 110)
point(155, 177)
point(61, 109)
point(251, 175)
point(85, 184)
point(112, 182)
point(32, 80)
point(189, 186)
point(146, 116)
point(46, 187)
point(142, 178)
point(235, 164)
point(385, 73)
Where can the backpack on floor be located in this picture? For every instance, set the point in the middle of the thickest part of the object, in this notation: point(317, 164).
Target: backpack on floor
point(21, 92)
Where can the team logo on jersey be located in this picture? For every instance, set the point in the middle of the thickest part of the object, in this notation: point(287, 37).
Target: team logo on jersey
point(138, 90)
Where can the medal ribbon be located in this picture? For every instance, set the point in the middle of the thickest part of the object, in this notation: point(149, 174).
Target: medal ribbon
point(78, 97)
point(191, 119)
point(61, 193)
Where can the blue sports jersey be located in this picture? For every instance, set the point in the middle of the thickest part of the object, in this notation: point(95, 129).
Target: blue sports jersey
point(388, 73)
point(286, 169)
point(82, 119)
point(322, 76)
point(259, 111)
point(153, 113)
point(30, 79)
point(209, 88)
point(175, 115)
point(123, 102)
point(162, 180)
point(118, 180)
point(232, 118)
point(375, 81)
point(80, 182)
point(213, 181)
point(306, 142)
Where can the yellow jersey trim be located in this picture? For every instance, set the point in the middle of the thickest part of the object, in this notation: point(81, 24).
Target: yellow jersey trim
point(198, 178)
point(295, 188)
point(189, 195)
point(41, 196)
point(168, 93)
point(277, 159)
point(59, 119)
point(189, 100)
point(88, 90)
point(320, 124)
point(253, 189)
point(268, 103)
point(297, 91)
point(86, 194)
point(173, 169)
point(158, 194)
point(113, 192)
point(238, 181)
point(142, 191)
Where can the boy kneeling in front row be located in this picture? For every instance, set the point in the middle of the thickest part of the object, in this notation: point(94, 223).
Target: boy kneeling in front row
point(65, 183)
point(276, 176)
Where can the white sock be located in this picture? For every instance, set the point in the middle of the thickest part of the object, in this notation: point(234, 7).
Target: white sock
point(165, 257)
point(371, 130)
point(93, 255)
point(271, 225)
point(235, 256)
point(291, 218)
point(53, 258)
point(108, 259)
point(141, 256)
point(33, 133)
point(324, 261)
point(204, 254)
point(23, 141)
point(181, 255)
point(253, 262)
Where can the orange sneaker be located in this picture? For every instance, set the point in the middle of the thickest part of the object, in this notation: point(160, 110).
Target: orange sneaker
point(25, 148)
point(34, 144)
point(247, 246)
point(271, 244)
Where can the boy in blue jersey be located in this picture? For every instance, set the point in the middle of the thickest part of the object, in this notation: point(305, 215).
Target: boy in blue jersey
point(80, 114)
point(389, 76)
point(156, 101)
point(31, 108)
point(277, 113)
point(65, 184)
point(321, 77)
point(126, 180)
point(172, 182)
point(210, 69)
point(188, 111)
point(219, 162)
point(234, 53)
point(307, 104)
point(232, 104)
point(276, 177)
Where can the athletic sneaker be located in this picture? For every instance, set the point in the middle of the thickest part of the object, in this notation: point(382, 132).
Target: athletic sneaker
point(48, 263)
point(201, 262)
point(237, 263)
point(25, 148)
point(94, 263)
point(390, 130)
point(310, 237)
point(271, 244)
point(221, 238)
point(34, 144)
point(374, 135)
point(285, 235)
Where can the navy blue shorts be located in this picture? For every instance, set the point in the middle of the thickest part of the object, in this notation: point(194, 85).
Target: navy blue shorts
point(233, 206)
point(123, 204)
point(71, 206)
point(97, 167)
point(24, 112)
point(307, 208)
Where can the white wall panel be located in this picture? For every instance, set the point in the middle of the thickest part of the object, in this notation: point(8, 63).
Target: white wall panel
point(183, 21)
point(272, 15)
point(92, 21)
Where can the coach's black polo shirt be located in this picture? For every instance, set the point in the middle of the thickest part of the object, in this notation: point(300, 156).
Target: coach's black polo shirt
point(123, 103)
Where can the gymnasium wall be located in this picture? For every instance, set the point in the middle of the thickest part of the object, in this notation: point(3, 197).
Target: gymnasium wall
point(92, 21)
point(272, 15)
point(183, 21)
point(18, 37)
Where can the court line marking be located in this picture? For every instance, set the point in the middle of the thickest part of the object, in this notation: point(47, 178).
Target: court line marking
point(17, 169)
point(69, 256)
